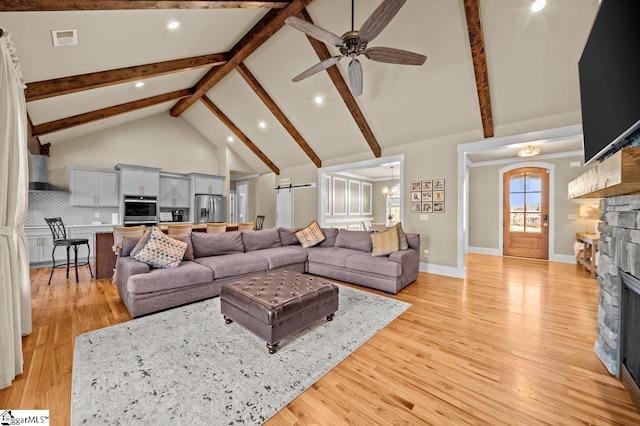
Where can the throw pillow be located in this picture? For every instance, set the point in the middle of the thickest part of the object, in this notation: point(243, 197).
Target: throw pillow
point(159, 250)
point(385, 242)
point(188, 253)
point(402, 237)
point(311, 235)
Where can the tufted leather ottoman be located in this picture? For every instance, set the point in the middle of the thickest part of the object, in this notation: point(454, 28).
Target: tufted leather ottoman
point(277, 304)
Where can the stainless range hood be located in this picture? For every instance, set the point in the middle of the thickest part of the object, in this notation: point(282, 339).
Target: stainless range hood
point(40, 175)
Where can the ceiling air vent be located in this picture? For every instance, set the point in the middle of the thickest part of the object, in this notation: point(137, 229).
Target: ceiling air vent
point(64, 37)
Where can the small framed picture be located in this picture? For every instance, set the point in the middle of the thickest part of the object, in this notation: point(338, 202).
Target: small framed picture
point(427, 185)
point(427, 196)
point(415, 208)
point(438, 195)
point(427, 207)
point(438, 207)
point(415, 197)
point(415, 186)
point(438, 184)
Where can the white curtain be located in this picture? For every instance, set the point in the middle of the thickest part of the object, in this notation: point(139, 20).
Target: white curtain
point(15, 285)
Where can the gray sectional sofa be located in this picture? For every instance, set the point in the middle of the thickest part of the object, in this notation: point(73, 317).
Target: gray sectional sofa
point(212, 260)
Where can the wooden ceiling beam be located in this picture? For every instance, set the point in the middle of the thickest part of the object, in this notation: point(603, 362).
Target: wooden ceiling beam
point(265, 28)
point(239, 133)
point(277, 112)
point(76, 120)
point(476, 40)
point(68, 5)
point(33, 143)
point(66, 85)
point(343, 89)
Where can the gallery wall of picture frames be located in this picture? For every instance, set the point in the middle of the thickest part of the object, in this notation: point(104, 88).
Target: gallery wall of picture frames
point(427, 196)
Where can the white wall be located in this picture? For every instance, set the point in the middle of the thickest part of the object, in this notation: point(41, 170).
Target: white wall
point(162, 141)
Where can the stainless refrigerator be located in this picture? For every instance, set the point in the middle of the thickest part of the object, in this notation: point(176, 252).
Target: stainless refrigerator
point(211, 208)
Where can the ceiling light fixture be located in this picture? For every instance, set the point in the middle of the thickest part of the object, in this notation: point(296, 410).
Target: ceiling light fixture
point(140, 84)
point(230, 138)
point(319, 100)
point(538, 5)
point(173, 25)
point(262, 125)
point(528, 151)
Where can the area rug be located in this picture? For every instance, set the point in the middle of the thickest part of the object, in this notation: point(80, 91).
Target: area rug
point(186, 366)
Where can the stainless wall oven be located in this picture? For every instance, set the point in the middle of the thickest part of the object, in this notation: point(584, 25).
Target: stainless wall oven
point(140, 210)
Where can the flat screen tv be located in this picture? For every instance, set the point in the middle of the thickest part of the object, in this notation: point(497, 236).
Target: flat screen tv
point(610, 79)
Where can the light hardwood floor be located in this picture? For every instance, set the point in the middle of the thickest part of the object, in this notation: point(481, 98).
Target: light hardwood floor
point(511, 344)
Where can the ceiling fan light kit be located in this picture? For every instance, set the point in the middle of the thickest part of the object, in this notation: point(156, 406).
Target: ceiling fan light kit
point(354, 43)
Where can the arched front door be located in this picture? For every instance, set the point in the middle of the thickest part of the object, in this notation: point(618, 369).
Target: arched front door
point(526, 213)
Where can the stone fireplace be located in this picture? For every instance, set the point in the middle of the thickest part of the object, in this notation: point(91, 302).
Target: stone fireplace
point(619, 250)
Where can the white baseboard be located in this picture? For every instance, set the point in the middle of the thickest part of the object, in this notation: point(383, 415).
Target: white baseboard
point(447, 271)
point(485, 250)
point(563, 258)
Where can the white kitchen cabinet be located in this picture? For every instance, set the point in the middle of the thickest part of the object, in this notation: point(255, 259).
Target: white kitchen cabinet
point(40, 243)
point(209, 184)
point(135, 180)
point(93, 188)
point(174, 192)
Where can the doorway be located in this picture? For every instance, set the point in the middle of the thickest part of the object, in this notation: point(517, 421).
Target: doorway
point(526, 213)
point(242, 201)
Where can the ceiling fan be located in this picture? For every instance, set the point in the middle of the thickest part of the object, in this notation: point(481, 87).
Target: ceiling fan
point(354, 43)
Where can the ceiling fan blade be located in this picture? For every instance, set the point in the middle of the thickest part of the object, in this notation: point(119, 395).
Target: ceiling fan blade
point(379, 19)
point(317, 68)
point(314, 31)
point(355, 77)
point(394, 56)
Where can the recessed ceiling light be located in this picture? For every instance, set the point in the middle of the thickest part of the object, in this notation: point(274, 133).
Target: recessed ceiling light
point(230, 138)
point(319, 100)
point(262, 125)
point(140, 84)
point(538, 5)
point(173, 25)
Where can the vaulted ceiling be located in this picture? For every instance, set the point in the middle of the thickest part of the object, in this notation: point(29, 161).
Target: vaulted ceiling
point(492, 64)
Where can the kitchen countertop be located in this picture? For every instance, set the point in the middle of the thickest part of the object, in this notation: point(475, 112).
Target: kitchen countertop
point(107, 225)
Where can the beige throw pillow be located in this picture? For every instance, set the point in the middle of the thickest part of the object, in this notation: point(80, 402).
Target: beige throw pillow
point(385, 242)
point(311, 235)
point(159, 250)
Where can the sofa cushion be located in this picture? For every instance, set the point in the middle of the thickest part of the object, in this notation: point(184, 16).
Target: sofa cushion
point(128, 244)
point(186, 274)
point(311, 235)
point(232, 265)
point(216, 244)
point(402, 237)
point(334, 256)
point(385, 242)
point(264, 239)
point(159, 250)
point(357, 240)
point(288, 236)
point(282, 256)
point(188, 253)
point(330, 235)
point(374, 265)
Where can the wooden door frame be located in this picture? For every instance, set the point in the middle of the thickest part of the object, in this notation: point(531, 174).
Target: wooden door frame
point(551, 168)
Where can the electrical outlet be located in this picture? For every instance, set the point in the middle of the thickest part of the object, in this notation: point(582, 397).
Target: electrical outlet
point(424, 217)
point(426, 252)
point(96, 215)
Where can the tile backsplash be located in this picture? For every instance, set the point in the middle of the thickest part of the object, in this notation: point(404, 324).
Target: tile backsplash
point(56, 204)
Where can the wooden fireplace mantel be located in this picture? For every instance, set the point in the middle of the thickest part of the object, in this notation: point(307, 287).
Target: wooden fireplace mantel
point(617, 175)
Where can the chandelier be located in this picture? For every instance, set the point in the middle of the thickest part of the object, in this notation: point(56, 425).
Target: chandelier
point(394, 191)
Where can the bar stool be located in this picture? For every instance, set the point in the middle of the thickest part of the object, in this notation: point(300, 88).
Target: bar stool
point(119, 232)
point(246, 226)
point(59, 233)
point(216, 228)
point(174, 230)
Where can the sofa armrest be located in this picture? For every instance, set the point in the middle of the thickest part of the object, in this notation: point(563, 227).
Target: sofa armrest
point(405, 257)
point(127, 267)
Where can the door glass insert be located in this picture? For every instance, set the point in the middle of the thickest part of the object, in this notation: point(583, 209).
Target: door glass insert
point(525, 203)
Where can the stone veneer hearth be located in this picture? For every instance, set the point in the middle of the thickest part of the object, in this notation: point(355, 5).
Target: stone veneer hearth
point(619, 248)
